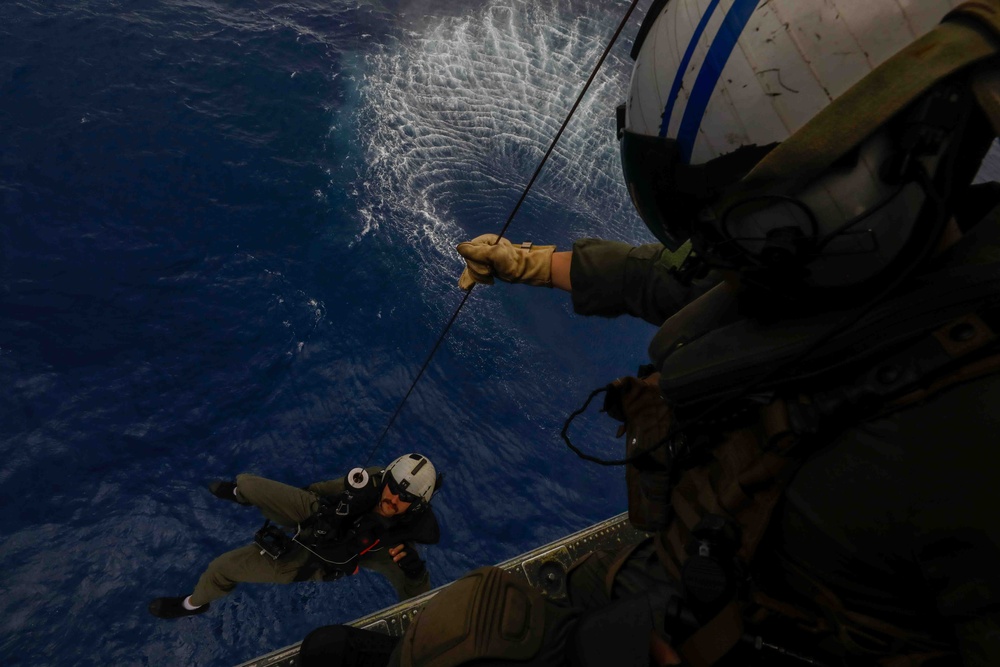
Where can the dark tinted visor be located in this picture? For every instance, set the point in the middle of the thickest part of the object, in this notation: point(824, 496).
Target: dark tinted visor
point(650, 165)
point(670, 194)
point(397, 490)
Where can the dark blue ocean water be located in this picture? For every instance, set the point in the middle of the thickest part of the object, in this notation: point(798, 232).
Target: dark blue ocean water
point(227, 244)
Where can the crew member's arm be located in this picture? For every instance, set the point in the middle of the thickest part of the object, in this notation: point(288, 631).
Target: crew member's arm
point(488, 257)
point(661, 653)
point(416, 579)
point(561, 275)
point(611, 278)
point(327, 489)
point(408, 559)
point(332, 488)
point(605, 278)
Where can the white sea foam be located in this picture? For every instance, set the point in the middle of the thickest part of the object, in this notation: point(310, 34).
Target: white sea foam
point(457, 112)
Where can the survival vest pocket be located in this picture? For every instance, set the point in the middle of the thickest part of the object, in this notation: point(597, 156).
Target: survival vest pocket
point(646, 419)
point(272, 541)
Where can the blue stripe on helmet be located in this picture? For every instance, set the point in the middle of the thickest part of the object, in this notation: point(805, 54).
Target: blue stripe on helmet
point(675, 88)
point(718, 54)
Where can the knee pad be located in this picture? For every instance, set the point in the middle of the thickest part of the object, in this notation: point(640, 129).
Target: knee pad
point(488, 614)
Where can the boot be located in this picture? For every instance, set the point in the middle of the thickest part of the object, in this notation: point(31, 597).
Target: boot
point(173, 608)
point(225, 491)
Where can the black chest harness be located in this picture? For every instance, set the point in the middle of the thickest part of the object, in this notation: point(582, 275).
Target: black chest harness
point(343, 529)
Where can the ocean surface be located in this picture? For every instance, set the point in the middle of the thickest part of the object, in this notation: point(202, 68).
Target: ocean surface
point(227, 244)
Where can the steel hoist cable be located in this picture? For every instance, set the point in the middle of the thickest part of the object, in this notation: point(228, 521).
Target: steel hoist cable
point(510, 218)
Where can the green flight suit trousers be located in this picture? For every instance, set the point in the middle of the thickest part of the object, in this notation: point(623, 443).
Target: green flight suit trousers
point(286, 506)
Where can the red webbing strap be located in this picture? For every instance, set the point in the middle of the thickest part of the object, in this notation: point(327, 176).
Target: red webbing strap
point(368, 548)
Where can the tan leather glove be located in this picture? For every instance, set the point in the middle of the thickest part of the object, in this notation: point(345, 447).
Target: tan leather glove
point(485, 258)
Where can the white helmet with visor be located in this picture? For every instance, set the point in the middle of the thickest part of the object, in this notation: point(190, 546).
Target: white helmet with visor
point(412, 478)
point(717, 84)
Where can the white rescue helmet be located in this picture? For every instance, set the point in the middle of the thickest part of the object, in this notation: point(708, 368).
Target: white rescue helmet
point(718, 83)
point(413, 478)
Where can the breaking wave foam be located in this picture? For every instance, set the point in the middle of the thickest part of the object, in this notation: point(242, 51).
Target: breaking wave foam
point(458, 112)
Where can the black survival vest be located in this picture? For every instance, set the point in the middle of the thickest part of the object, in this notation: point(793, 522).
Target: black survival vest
point(345, 528)
point(732, 469)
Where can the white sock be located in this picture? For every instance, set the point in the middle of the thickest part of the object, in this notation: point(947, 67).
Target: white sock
point(187, 604)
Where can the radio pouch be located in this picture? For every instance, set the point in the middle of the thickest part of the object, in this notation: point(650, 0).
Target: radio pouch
point(272, 541)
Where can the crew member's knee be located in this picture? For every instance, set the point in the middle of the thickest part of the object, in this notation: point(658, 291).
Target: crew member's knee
point(246, 486)
point(219, 572)
point(215, 582)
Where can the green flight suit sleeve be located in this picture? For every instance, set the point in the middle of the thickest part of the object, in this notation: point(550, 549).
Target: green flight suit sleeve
point(406, 587)
point(334, 487)
point(611, 278)
point(327, 489)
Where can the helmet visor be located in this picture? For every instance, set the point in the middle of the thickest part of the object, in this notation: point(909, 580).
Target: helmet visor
point(397, 489)
point(649, 165)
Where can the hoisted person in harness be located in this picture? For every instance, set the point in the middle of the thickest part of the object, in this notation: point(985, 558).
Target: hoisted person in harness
point(371, 518)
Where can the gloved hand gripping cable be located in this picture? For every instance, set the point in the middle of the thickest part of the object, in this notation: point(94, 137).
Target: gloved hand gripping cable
point(488, 256)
